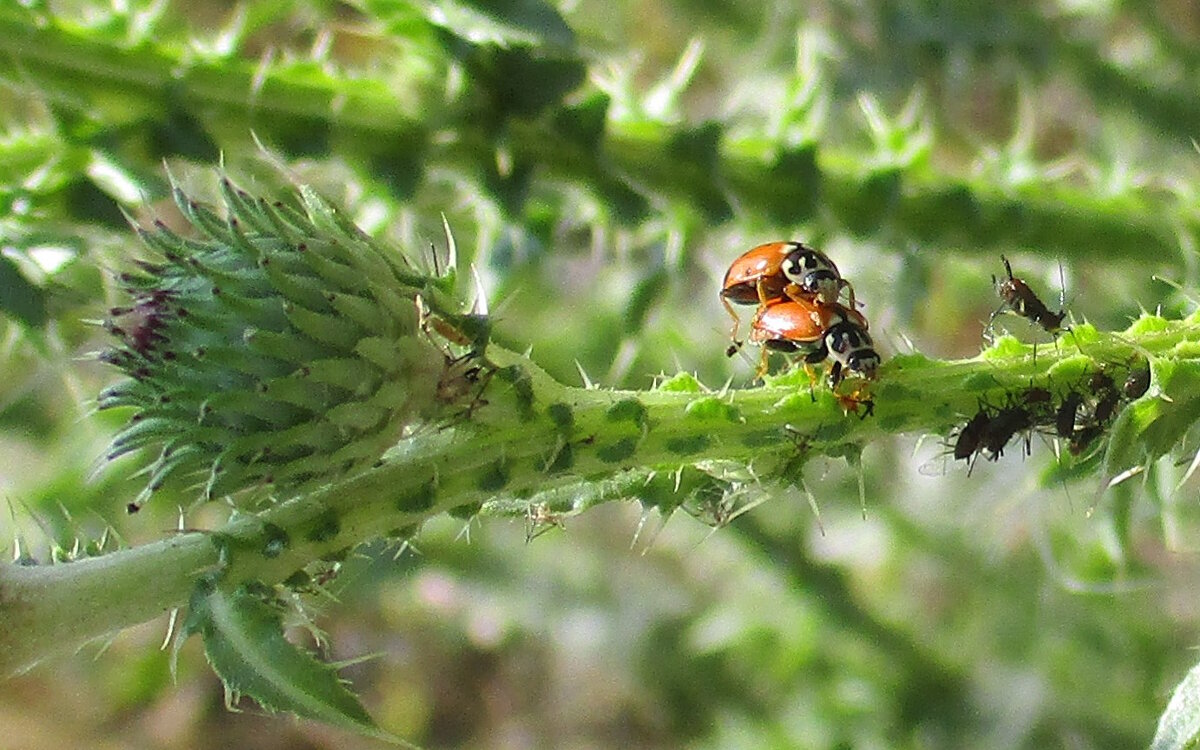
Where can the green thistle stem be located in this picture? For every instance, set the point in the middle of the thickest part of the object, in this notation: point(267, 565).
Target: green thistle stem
point(508, 456)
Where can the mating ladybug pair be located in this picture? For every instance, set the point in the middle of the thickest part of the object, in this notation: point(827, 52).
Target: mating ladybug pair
point(797, 290)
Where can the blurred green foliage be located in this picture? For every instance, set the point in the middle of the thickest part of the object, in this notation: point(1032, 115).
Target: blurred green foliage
point(601, 164)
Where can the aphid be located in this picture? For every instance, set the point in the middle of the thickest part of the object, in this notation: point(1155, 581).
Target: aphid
point(1003, 427)
point(1100, 381)
point(1137, 383)
point(459, 377)
point(1106, 405)
point(463, 374)
point(140, 327)
point(1084, 437)
point(970, 437)
point(539, 519)
point(1107, 397)
point(1039, 401)
point(1024, 302)
point(781, 269)
point(1068, 412)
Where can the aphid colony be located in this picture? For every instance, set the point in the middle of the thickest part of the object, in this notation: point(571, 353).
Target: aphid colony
point(797, 290)
point(1078, 416)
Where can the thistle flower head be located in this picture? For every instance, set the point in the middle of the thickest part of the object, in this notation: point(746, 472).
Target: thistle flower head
point(279, 348)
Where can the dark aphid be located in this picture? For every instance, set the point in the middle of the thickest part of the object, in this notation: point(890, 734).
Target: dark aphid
point(1024, 302)
point(971, 436)
point(1100, 382)
point(1068, 412)
point(1084, 437)
point(1039, 401)
point(1106, 405)
point(140, 327)
point(1003, 427)
point(1106, 394)
point(1138, 382)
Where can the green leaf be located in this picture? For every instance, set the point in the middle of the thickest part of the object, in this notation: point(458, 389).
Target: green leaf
point(647, 293)
point(19, 298)
point(584, 123)
point(520, 81)
point(243, 640)
point(1168, 418)
point(503, 22)
point(1179, 726)
point(697, 146)
point(793, 185)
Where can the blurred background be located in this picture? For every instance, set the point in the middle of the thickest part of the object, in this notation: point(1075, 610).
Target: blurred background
point(601, 164)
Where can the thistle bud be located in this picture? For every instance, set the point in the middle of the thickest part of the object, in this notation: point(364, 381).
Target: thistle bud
point(278, 348)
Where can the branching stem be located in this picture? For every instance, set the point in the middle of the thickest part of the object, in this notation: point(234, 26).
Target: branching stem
point(537, 442)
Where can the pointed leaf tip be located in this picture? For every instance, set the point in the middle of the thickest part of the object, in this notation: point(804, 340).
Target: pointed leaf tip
point(244, 642)
point(1179, 725)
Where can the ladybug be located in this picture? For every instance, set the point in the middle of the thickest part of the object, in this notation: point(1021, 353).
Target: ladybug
point(1024, 302)
point(822, 331)
point(778, 269)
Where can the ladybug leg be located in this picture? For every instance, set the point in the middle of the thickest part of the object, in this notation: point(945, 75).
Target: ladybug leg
point(762, 363)
point(850, 293)
point(813, 357)
point(812, 380)
point(851, 403)
point(794, 292)
point(836, 373)
point(762, 293)
point(733, 348)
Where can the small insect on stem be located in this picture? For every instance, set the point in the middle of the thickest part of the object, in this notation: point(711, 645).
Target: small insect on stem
point(1138, 381)
point(539, 519)
point(463, 374)
point(1024, 302)
point(969, 440)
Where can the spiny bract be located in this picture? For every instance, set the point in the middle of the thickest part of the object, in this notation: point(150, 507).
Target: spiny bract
point(278, 348)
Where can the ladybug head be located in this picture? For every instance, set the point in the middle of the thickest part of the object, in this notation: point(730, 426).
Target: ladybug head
point(813, 272)
point(851, 346)
point(865, 362)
